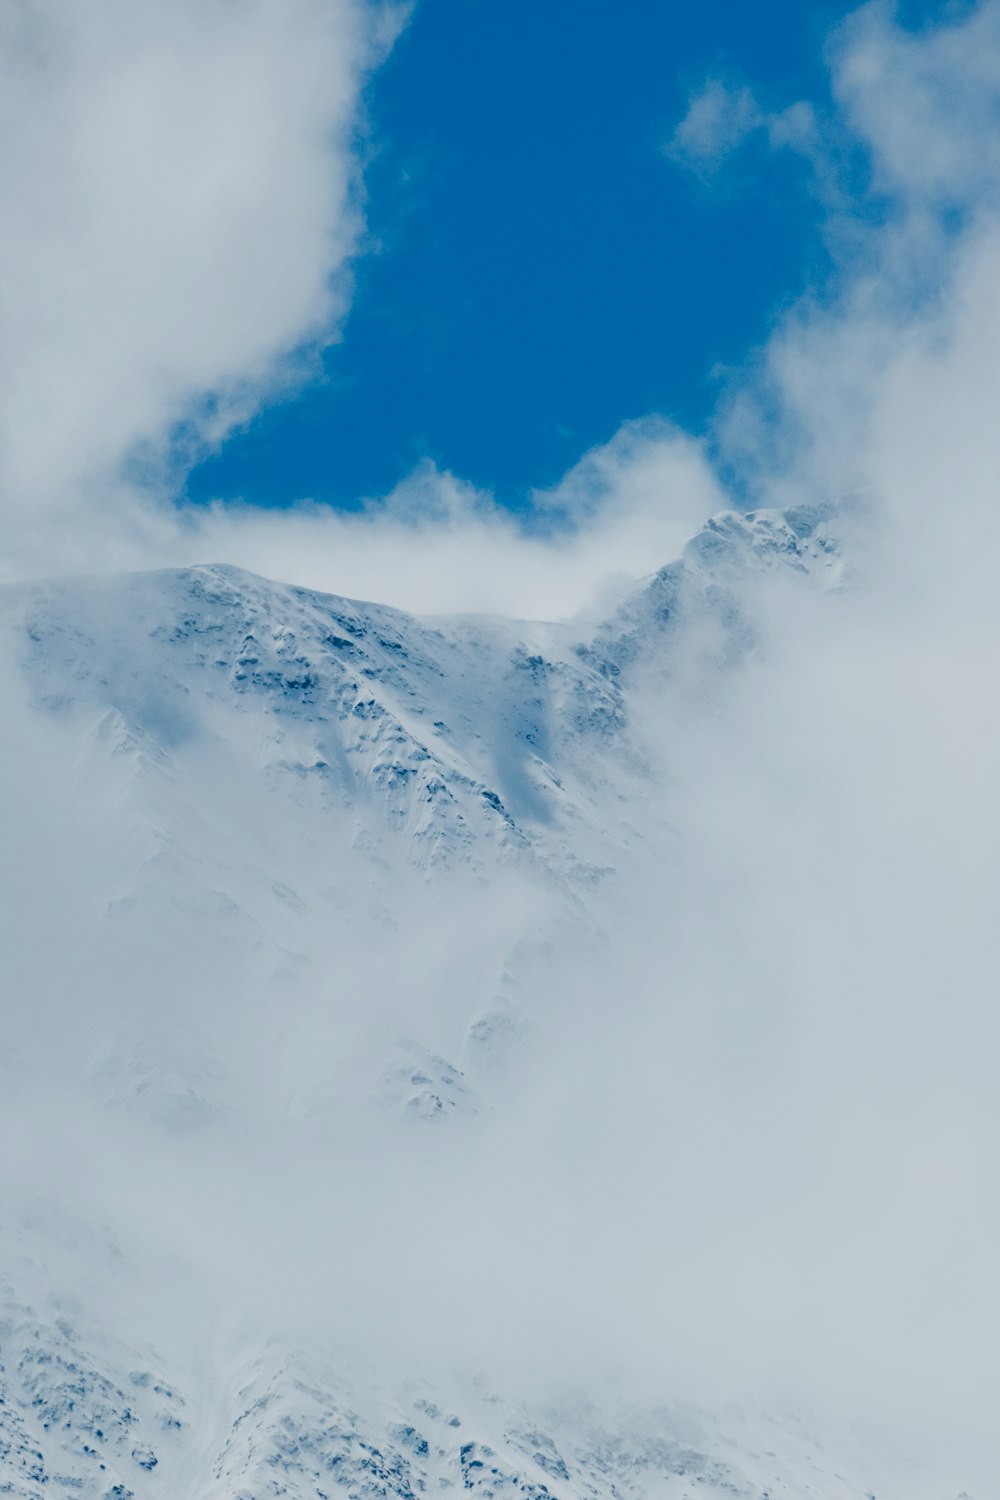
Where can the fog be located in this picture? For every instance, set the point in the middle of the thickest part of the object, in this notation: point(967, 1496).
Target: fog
point(745, 1144)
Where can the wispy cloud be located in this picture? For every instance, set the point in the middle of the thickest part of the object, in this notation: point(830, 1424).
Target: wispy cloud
point(722, 117)
point(928, 103)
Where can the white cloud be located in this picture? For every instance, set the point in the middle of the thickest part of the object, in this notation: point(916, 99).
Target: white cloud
point(180, 193)
point(436, 544)
point(722, 117)
point(928, 102)
point(719, 119)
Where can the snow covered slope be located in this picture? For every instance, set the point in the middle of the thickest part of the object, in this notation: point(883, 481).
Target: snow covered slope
point(101, 1423)
point(461, 741)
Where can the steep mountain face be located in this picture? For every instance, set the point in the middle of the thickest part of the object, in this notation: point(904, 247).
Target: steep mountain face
point(463, 742)
point(325, 860)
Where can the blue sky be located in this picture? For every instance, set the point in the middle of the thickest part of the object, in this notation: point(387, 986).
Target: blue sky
point(537, 269)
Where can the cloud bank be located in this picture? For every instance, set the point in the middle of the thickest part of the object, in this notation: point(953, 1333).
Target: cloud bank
point(182, 196)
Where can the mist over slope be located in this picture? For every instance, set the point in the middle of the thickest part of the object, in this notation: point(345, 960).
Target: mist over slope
point(412, 1089)
point(270, 777)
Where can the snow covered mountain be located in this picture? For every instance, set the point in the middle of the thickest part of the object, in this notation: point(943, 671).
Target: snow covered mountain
point(462, 741)
point(323, 863)
point(261, 766)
